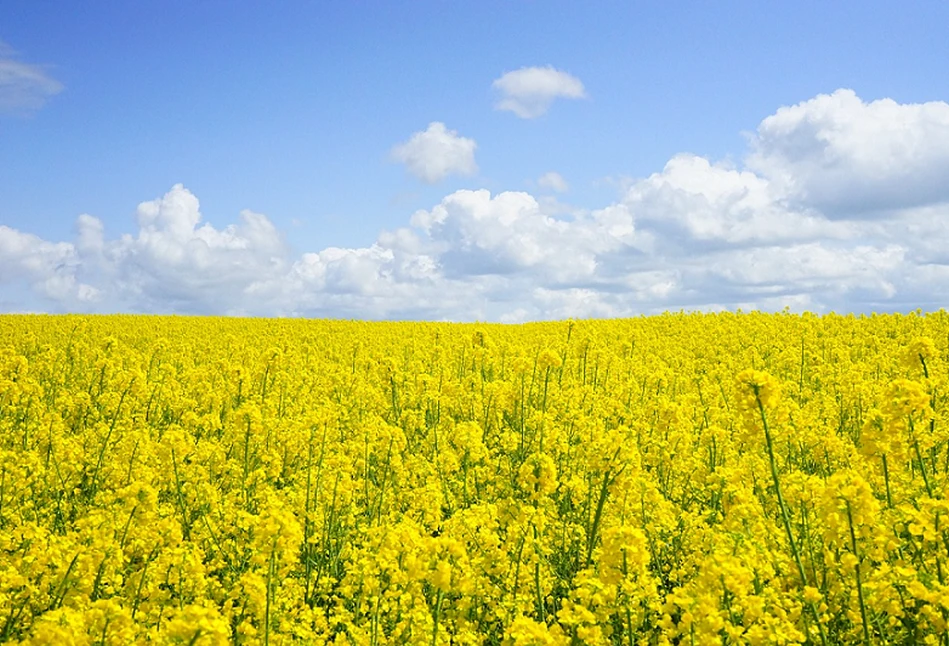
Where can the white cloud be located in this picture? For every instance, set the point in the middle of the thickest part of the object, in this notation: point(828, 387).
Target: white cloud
point(474, 233)
point(24, 87)
point(697, 202)
point(435, 153)
point(809, 267)
point(553, 181)
point(48, 268)
point(850, 158)
point(696, 235)
point(529, 91)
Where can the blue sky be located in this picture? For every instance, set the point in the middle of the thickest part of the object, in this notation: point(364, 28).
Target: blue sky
point(666, 186)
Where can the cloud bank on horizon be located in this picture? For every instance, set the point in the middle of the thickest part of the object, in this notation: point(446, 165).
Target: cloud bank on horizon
point(839, 204)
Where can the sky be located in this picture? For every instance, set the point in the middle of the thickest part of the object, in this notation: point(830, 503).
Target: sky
point(493, 160)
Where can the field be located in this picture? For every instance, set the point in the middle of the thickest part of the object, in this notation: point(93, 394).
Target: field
point(680, 479)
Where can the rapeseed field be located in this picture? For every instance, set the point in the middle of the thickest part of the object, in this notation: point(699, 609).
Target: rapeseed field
point(678, 479)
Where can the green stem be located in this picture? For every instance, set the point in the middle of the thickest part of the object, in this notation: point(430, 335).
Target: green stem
point(62, 589)
point(784, 512)
point(539, 594)
point(185, 522)
point(919, 458)
point(886, 480)
point(438, 613)
point(270, 575)
point(853, 546)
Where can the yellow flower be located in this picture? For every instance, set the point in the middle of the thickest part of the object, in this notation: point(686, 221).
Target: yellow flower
point(920, 354)
point(538, 475)
point(203, 480)
point(548, 359)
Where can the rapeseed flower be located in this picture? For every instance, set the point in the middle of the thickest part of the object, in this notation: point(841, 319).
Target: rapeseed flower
point(678, 479)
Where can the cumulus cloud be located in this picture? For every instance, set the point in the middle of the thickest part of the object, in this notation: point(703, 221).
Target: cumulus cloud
point(476, 234)
point(529, 91)
point(697, 234)
point(437, 152)
point(851, 158)
point(49, 268)
point(24, 87)
point(699, 203)
point(553, 181)
point(174, 263)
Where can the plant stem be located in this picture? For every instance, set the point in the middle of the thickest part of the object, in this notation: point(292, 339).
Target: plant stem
point(784, 511)
point(853, 546)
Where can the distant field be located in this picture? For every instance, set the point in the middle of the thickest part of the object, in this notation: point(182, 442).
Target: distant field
point(681, 479)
